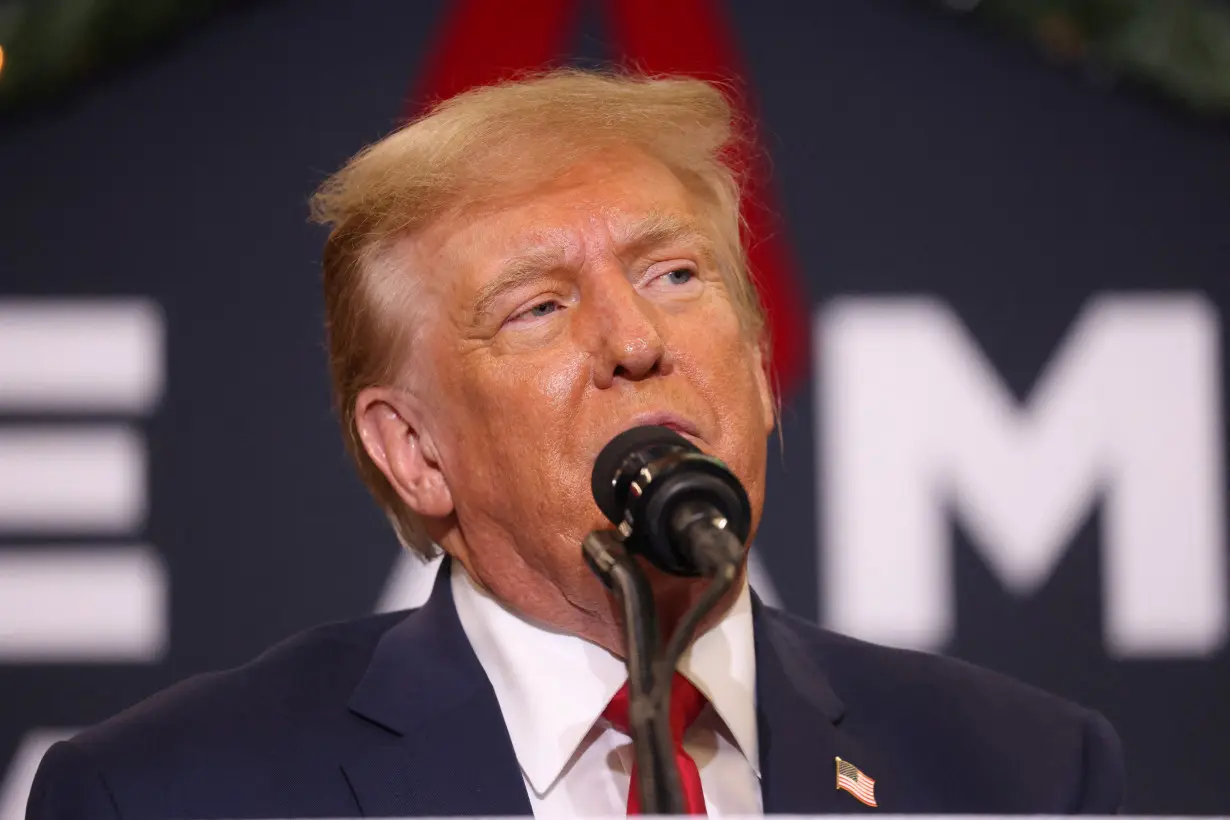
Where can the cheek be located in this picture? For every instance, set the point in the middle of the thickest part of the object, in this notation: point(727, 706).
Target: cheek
point(714, 347)
point(517, 461)
point(724, 368)
point(525, 405)
point(541, 390)
point(558, 382)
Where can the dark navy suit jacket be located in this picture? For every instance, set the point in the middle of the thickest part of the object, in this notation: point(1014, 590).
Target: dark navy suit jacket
point(392, 715)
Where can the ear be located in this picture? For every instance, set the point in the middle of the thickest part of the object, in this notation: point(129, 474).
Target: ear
point(389, 424)
point(770, 403)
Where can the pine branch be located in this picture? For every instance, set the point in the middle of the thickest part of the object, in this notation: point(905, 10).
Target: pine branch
point(1179, 48)
point(50, 45)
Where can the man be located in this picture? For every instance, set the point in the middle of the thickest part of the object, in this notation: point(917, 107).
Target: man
point(510, 282)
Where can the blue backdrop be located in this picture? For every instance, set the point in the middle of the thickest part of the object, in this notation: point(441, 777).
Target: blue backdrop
point(998, 257)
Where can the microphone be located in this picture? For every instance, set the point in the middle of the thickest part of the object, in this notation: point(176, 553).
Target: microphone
point(687, 514)
point(683, 511)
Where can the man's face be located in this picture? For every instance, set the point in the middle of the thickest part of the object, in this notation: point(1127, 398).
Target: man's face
point(554, 318)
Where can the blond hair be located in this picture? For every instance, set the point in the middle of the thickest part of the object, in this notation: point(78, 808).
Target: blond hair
point(469, 148)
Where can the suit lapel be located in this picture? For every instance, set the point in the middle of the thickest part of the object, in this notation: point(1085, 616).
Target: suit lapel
point(446, 751)
point(799, 717)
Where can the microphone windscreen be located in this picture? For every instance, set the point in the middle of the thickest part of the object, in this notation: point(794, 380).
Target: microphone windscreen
point(616, 458)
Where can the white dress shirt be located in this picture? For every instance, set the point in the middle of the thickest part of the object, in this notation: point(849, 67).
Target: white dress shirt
point(553, 687)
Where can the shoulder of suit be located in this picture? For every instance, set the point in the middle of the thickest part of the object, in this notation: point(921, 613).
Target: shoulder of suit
point(308, 676)
point(1018, 749)
point(905, 680)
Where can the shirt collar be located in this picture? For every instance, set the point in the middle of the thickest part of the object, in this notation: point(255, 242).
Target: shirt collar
point(722, 665)
point(552, 687)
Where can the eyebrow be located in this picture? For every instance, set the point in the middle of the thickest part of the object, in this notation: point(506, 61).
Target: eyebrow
point(521, 270)
point(655, 229)
point(661, 229)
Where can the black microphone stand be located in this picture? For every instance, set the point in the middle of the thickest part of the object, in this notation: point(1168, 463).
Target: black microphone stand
point(650, 673)
point(648, 712)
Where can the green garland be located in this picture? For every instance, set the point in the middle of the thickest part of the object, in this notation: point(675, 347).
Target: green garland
point(1181, 48)
point(52, 45)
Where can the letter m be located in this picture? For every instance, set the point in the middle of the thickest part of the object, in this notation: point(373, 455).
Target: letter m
point(914, 423)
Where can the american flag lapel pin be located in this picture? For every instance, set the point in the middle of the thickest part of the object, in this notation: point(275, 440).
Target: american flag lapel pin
point(851, 779)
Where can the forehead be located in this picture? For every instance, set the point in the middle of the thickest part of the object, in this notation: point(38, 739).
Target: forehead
point(610, 196)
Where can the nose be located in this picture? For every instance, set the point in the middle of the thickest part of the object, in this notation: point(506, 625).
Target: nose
point(624, 335)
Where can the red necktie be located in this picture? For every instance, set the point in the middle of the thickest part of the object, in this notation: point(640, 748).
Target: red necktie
point(686, 703)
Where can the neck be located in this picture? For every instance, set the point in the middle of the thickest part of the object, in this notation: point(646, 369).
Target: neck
point(579, 604)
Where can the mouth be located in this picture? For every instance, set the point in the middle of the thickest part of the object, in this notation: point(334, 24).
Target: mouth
point(671, 421)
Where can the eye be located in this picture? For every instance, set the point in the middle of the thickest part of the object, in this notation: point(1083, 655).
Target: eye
point(675, 279)
point(537, 311)
point(542, 309)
